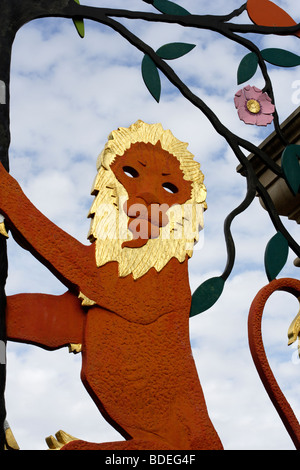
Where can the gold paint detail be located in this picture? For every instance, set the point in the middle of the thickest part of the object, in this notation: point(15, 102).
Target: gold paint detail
point(61, 438)
point(294, 331)
point(253, 106)
point(109, 223)
point(85, 301)
point(75, 348)
point(10, 441)
point(3, 230)
point(121, 140)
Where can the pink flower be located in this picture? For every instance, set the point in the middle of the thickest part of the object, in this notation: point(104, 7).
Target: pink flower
point(254, 106)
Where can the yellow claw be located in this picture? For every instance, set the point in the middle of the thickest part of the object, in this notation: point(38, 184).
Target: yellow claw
point(62, 438)
point(3, 230)
point(75, 348)
point(85, 301)
point(294, 331)
point(10, 441)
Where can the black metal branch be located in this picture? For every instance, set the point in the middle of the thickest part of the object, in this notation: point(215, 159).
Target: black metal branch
point(191, 97)
point(250, 195)
point(277, 223)
point(233, 14)
point(72, 9)
point(210, 22)
point(230, 246)
point(256, 29)
point(217, 23)
point(253, 187)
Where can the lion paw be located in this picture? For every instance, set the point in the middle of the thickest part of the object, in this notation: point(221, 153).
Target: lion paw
point(62, 438)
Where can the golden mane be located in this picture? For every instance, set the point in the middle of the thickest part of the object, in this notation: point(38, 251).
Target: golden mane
point(109, 222)
point(121, 140)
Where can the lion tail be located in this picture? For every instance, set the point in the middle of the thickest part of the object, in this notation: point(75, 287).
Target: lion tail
point(259, 356)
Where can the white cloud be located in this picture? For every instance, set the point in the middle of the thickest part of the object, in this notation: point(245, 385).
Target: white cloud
point(67, 95)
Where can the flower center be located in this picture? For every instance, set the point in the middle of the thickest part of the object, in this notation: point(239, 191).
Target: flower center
point(253, 106)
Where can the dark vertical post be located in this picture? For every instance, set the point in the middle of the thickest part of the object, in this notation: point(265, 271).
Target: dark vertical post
point(3, 275)
point(13, 14)
point(6, 40)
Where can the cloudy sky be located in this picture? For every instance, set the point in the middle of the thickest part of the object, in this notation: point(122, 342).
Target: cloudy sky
point(67, 95)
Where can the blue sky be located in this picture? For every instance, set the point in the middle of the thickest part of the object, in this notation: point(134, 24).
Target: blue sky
point(67, 95)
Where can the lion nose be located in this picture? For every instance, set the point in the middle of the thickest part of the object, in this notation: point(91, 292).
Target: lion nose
point(149, 198)
point(144, 206)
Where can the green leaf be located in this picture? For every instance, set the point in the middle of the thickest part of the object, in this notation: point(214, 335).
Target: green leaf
point(280, 57)
point(174, 50)
point(206, 295)
point(274, 56)
point(170, 8)
point(276, 254)
point(151, 77)
point(247, 67)
point(291, 167)
point(79, 24)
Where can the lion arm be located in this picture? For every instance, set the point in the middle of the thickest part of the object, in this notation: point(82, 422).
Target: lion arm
point(68, 259)
point(45, 320)
point(75, 266)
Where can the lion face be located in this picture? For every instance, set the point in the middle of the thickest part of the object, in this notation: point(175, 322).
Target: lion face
point(149, 200)
point(154, 183)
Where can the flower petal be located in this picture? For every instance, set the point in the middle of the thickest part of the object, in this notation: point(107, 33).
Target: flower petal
point(257, 90)
point(252, 93)
point(264, 119)
point(265, 97)
point(247, 117)
point(267, 108)
point(239, 99)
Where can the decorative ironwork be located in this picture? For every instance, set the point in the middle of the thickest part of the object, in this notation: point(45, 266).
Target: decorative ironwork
point(263, 16)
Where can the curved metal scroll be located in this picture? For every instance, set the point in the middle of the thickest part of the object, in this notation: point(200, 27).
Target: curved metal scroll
point(259, 356)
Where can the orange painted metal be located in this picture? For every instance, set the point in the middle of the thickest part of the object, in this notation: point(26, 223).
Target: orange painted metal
point(267, 13)
point(137, 362)
point(259, 356)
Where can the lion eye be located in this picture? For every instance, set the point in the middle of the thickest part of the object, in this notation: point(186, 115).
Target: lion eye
point(130, 171)
point(170, 188)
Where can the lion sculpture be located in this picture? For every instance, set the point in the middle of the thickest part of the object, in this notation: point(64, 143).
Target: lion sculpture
point(128, 298)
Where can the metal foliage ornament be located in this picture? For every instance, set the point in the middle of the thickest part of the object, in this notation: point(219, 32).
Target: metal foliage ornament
point(264, 18)
point(274, 56)
point(169, 8)
point(276, 255)
point(291, 168)
point(149, 70)
point(79, 24)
